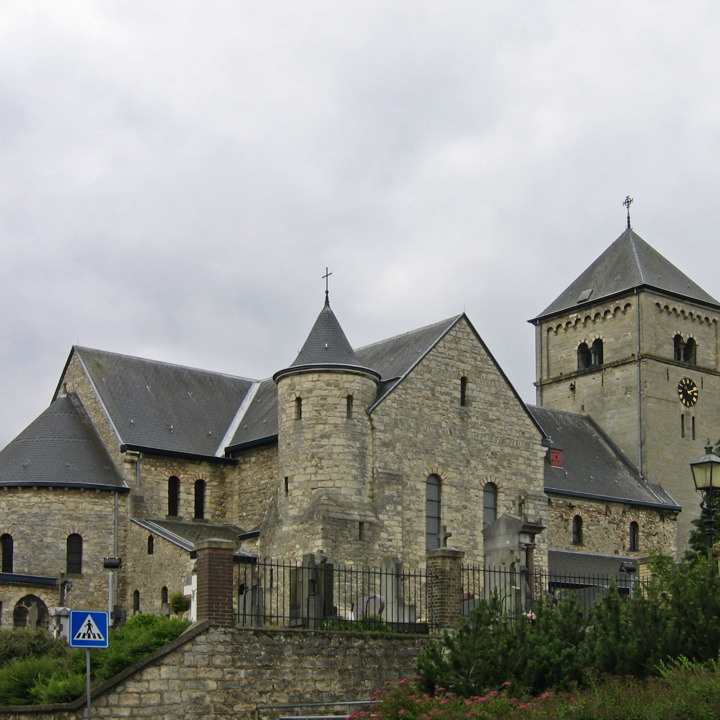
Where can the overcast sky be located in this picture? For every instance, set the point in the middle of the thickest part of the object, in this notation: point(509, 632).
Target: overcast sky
point(176, 176)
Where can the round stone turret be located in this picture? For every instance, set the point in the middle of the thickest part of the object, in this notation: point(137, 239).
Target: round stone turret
point(324, 435)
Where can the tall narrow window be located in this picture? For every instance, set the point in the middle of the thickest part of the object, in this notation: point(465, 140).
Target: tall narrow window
point(463, 391)
point(596, 354)
point(298, 408)
point(678, 347)
point(634, 536)
point(577, 530)
point(74, 554)
point(199, 499)
point(432, 512)
point(164, 596)
point(6, 547)
point(173, 496)
point(489, 503)
point(584, 358)
point(690, 351)
point(151, 545)
point(348, 406)
point(136, 601)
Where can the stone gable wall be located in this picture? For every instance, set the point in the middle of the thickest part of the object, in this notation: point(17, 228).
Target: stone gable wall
point(421, 428)
point(257, 482)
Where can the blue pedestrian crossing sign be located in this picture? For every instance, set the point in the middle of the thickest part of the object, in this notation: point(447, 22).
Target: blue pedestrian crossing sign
point(88, 629)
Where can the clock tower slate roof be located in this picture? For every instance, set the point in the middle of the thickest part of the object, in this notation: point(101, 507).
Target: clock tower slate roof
point(628, 264)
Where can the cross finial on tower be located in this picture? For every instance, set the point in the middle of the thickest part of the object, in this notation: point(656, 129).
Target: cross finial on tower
point(326, 277)
point(627, 203)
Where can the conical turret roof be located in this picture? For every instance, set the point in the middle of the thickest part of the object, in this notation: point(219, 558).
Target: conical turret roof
point(326, 347)
point(629, 263)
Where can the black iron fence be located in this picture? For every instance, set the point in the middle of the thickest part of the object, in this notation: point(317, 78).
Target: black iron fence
point(321, 595)
point(519, 590)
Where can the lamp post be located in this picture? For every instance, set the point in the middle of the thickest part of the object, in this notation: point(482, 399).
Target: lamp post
point(706, 474)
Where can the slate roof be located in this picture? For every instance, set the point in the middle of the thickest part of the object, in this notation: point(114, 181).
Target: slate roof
point(325, 345)
point(568, 564)
point(392, 359)
point(186, 534)
point(593, 466)
point(59, 449)
point(163, 406)
point(629, 263)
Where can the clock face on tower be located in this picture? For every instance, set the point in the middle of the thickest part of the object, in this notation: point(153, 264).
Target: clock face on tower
point(687, 392)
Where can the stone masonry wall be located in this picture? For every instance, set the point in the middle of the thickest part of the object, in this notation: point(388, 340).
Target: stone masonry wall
point(39, 521)
point(421, 428)
point(606, 527)
point(168, 566)
point(219, 674)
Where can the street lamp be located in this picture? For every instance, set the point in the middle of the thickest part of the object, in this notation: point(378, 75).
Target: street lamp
point(706, 474)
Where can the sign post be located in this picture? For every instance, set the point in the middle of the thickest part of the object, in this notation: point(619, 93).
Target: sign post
point(88, 629)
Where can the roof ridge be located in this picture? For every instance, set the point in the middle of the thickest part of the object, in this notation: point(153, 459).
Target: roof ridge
point(449, 321)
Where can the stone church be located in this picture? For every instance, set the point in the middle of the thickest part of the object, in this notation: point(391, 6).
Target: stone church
point(368, 454)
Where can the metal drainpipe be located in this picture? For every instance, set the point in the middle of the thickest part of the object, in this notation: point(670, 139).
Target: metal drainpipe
point(641, 439)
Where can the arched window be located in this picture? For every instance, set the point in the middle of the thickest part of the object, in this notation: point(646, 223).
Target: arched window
point(173, 496)
point(30, 611)
point(463, 391)
point(489, 503)
point(634, 536)
point(678, 347)
point(164, 596)
point(597, 352)
point(6, 547)
point(136, 601)
point(690, 351)
point(151, 545)
point(74, 554)
point(432, 512)
point(577, 530)
point(199, 499)
point(584, 357)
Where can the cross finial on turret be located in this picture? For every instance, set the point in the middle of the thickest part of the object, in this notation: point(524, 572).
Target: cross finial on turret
point(326, 277)
point(627, 203)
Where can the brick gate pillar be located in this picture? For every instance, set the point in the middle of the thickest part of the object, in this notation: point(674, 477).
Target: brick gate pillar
point(444, 583)
point(214, 568)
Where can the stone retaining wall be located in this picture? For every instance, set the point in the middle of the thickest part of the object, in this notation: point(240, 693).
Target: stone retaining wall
point(214, 673)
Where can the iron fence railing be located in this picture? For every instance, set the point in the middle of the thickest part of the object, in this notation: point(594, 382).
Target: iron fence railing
point(328, 596)
point(520, 590)
point(321, 595)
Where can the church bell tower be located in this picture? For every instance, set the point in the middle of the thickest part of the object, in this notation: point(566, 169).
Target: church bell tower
point(633, 342)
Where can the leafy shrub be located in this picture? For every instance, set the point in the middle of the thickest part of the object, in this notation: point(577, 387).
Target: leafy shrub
point(179, 603)
point(29, 642)
point(58, 689)
point(19, 676)
point(140, 636)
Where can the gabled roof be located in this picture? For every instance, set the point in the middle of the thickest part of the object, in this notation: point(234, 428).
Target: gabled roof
point(59, 449)
point(163, 406)
point(628, 264)
point(593, 467)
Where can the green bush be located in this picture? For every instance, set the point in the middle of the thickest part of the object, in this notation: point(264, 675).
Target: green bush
point(29, 642)
point(60, 688)
point(18, 678)
point(140, 636)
